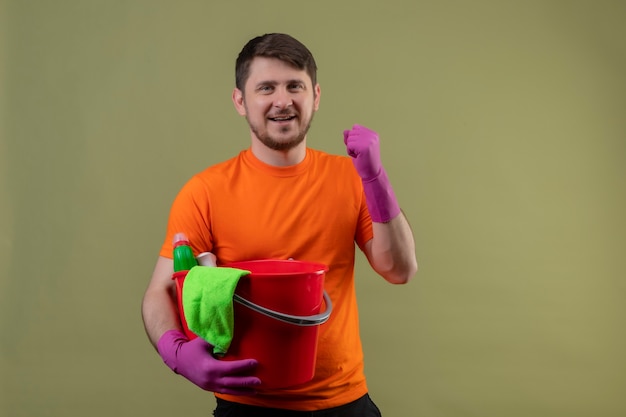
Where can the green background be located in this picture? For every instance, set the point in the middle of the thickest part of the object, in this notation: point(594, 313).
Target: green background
point(504, 133)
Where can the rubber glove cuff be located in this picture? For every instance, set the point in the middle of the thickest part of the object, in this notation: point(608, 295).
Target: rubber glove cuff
point(380, 198)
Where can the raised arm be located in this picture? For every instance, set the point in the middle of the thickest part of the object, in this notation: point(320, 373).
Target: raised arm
point(391, 252)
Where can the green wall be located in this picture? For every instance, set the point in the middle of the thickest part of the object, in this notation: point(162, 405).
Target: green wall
point(504, 133)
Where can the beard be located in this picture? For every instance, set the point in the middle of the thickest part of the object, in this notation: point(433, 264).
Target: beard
point(281, 144)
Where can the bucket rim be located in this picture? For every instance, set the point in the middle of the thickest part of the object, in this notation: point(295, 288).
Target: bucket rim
point(317, 268)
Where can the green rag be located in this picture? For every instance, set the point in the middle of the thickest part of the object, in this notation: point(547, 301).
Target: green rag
point(208, 304)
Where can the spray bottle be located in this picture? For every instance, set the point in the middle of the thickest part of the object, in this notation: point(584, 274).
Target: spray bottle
point(183, 255)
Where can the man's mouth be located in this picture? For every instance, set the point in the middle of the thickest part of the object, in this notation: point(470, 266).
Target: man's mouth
point(282, 118)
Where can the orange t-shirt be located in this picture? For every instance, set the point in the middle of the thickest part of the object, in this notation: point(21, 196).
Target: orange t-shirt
point(243, 209)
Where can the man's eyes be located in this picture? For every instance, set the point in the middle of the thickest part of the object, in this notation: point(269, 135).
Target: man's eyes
point(296, 87)
point(270, 88)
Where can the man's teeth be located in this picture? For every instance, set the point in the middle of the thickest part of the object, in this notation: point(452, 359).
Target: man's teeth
point(282, 119)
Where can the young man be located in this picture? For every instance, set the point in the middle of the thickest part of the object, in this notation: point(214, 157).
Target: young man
point(280, 199)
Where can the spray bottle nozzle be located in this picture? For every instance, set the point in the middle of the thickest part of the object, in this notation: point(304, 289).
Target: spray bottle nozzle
point(180, 239)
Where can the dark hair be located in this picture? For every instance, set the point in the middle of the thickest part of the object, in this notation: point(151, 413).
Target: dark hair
point(274, 45)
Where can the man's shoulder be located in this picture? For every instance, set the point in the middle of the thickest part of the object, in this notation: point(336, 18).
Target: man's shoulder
point(331, 162)
point(323, 156)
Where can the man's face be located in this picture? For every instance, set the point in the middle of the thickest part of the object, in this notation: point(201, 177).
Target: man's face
point(279, 102)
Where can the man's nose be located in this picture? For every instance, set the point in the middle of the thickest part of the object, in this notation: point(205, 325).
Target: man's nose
point(282, 99)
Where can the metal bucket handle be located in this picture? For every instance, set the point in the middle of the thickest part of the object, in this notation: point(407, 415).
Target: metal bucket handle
point(313, 320)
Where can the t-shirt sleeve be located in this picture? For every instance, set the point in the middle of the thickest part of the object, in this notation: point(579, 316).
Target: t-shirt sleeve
point(364, 230)
point(190, 214)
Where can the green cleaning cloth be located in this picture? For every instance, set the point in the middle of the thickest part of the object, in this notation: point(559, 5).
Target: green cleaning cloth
point(208, 304)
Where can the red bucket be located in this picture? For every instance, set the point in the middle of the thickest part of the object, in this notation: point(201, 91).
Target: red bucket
point(277, 317)
point(179, 279)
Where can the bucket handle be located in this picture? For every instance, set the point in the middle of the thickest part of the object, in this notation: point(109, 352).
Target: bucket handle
point(313, 320)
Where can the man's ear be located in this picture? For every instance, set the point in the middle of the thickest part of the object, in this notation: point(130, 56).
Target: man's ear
point(239, 102)
point(317, 91)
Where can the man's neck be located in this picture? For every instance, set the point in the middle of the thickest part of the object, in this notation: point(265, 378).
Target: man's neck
point(284, 158)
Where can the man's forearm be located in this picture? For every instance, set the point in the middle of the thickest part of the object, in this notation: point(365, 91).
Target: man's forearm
point(392, 251)
point(160, 314)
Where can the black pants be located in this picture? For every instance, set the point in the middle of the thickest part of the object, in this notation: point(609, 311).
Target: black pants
point(363, 407)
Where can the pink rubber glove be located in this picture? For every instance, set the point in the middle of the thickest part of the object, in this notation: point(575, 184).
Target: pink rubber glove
point(363, 146)
point(193, 360)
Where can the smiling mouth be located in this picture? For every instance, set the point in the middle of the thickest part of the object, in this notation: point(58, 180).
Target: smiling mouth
point(282, 118)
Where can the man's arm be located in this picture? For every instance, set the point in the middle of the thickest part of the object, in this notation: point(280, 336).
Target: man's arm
point(191, 359)
point(391, 252)
point(159, 310)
